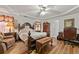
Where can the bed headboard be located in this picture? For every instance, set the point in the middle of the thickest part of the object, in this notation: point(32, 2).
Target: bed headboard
point(25, 24)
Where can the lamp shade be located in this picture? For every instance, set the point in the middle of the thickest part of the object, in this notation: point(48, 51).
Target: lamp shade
point(2, 17)
point(11, 19)
point(6, 18)
point(9, 24)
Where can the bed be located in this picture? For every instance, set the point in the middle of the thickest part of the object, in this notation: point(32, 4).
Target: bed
point(29, 36)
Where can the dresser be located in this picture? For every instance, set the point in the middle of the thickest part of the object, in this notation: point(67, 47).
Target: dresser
point(70, 33)
point(46, 28)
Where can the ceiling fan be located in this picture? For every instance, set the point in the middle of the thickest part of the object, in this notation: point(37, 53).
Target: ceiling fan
point(41, 13)
point(43, 9)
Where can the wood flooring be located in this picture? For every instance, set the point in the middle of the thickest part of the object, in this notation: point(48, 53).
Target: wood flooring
point(61, 48)
point(57, 48)
point(18, 48)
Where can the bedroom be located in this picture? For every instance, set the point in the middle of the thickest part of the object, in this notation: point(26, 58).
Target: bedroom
point(42, 24)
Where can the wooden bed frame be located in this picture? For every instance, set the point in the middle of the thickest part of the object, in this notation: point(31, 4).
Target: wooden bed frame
point(31, 41)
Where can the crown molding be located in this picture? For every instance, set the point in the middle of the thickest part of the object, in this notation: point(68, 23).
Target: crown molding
point(32, 17)
point(64, 13)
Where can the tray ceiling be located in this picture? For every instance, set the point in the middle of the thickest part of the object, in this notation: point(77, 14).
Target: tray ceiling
point(34, 10)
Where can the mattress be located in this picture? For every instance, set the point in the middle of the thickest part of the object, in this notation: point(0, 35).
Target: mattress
point(37, 35)
point(34, 35)
point(23, 34)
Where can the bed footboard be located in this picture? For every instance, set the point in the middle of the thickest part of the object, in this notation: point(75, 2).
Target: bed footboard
point(31, 43)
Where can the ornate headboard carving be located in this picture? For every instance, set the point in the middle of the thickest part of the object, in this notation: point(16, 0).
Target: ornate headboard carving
point(25, 24)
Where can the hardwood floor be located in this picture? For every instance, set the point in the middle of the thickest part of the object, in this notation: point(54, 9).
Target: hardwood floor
point(18, 48)
point(60, 48)
point(57, 48)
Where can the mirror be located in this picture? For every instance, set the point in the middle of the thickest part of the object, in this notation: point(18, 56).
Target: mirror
point(68, 23)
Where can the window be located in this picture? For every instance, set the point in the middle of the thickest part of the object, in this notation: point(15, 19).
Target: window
point(37, 26)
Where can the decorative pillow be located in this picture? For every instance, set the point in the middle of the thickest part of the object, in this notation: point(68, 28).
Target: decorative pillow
point(31, 30)
point(24, 36)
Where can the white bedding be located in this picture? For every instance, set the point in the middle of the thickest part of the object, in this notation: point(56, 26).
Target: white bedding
point(37, 35)
point(23, 34)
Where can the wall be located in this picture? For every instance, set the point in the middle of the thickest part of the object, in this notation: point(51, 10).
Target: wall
point(61, 21)
point(54, 27)
point(56, 24)
point(59, 25)
point(22, 20)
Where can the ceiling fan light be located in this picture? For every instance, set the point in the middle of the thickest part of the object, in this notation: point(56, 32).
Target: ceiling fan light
point(41, 9)
point(43, 13)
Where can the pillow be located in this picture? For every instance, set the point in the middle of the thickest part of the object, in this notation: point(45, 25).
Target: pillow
point(27, 28)
point(22, 31)
point(31, 30)
point(24, 36)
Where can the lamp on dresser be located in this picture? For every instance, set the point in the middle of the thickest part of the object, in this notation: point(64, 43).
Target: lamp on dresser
point(9, 21)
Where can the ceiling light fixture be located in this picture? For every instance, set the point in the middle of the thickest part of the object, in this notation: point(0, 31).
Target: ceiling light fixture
point(42, 13)
point(43, 10)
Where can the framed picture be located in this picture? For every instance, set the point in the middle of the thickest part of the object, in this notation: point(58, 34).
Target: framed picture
point(68, 23)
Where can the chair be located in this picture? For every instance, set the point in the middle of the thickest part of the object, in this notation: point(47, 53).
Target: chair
point(2, 47)
point(60, 36)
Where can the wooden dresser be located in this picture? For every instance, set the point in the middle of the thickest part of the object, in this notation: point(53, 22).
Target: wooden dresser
point(70, 33)
point(46, 28)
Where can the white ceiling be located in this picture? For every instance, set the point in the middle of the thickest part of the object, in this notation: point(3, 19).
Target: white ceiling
point(32, 11)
